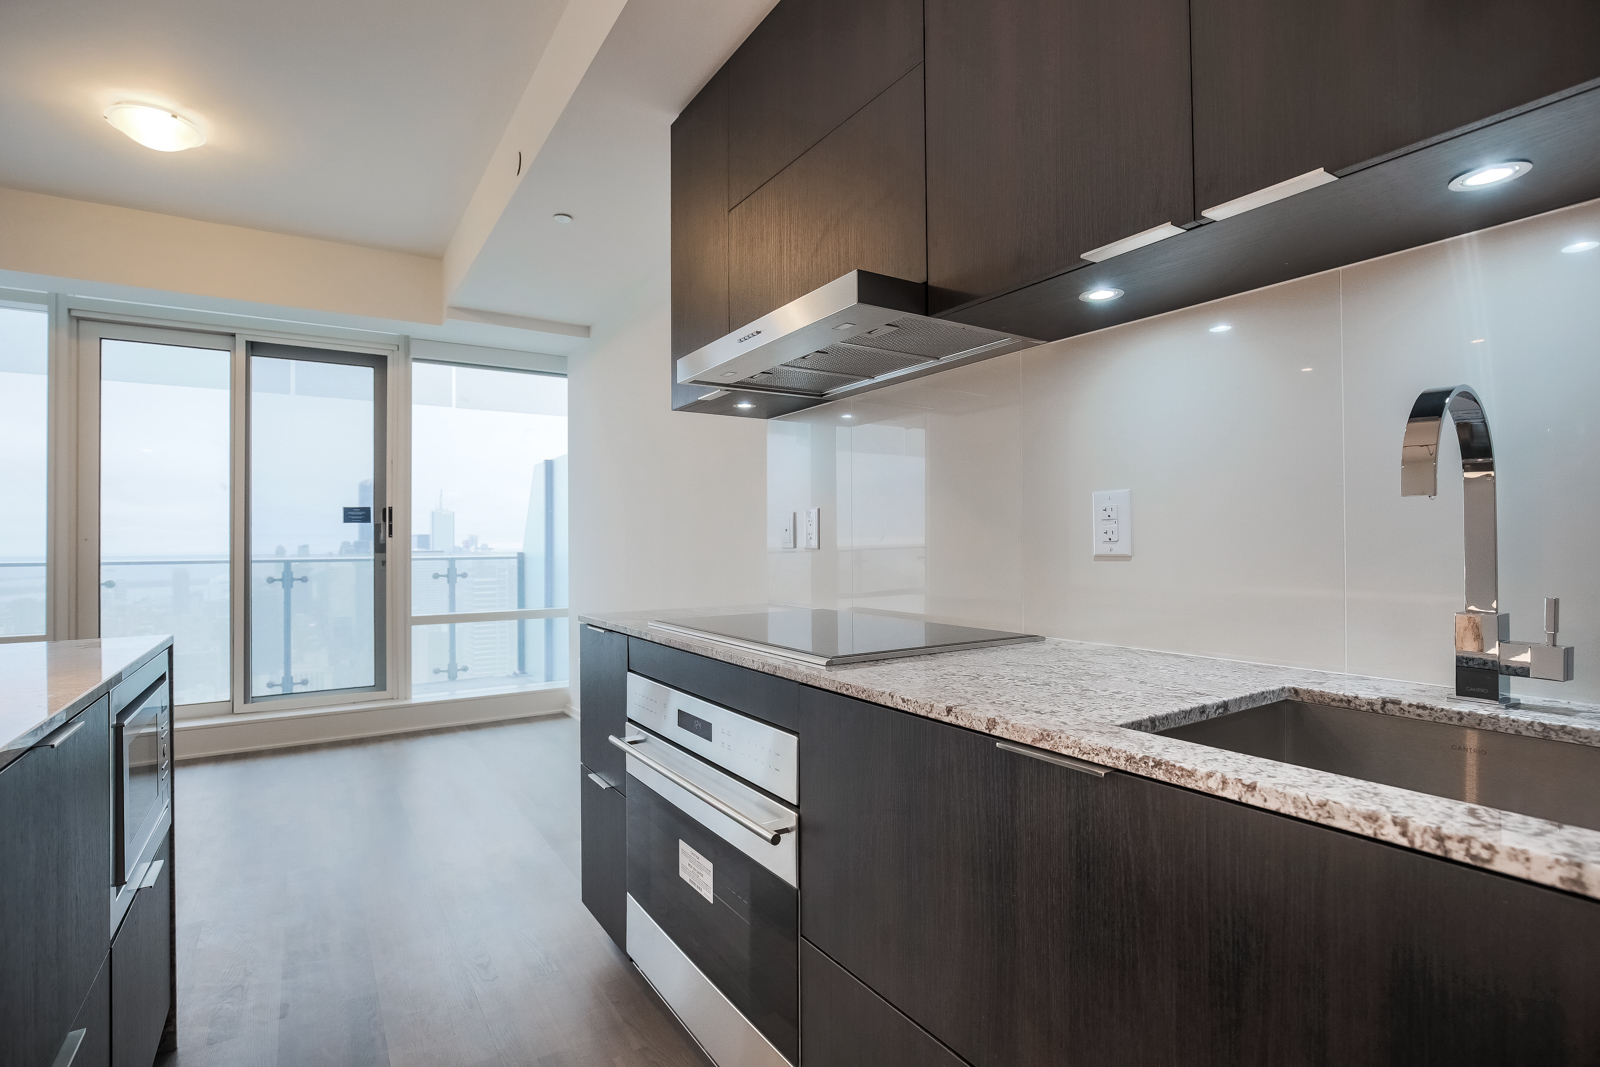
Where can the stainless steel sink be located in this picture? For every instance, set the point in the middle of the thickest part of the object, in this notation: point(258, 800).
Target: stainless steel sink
point(1553, 780)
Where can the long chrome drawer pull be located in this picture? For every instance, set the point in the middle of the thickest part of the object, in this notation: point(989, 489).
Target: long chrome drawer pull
point(1051, 757)
point(55, 739)
point(599, 781)
point(766, 833)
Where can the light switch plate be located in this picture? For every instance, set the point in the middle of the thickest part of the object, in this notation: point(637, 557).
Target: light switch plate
point(1113, 524)
point(813, 527)
point(786, 535)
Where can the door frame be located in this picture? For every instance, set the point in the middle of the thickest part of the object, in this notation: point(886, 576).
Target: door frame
point(72, 573)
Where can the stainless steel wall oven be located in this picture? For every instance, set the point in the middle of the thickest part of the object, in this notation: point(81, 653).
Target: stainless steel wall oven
point(713, 871)
point(141, 783)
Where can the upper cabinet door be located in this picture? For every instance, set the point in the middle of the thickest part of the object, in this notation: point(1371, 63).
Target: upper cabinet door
point(1285, 88)
point(853, 201)
point(1054, 127)
point(699, 226)
point(808, 67)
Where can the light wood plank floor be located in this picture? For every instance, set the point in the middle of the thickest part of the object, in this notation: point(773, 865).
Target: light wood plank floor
point(411, 902)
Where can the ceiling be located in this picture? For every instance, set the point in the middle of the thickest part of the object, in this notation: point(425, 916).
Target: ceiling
point(365, 121)
point(606, 164)
point(372, 123)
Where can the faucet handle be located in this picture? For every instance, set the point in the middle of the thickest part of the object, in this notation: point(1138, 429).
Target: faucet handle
point(1552, 618)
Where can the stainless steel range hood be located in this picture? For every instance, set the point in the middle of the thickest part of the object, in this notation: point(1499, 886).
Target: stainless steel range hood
point(855, 333)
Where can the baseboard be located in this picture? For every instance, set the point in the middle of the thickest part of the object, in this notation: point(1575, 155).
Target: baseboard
point(224, 735)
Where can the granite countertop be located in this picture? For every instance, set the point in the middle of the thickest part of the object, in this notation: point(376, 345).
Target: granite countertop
point(1095, 702)
point(45, 683)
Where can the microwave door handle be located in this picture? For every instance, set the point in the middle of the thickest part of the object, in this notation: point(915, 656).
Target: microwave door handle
point(768, 834)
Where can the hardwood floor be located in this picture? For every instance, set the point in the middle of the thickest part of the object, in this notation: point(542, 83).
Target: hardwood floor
point(408, 901)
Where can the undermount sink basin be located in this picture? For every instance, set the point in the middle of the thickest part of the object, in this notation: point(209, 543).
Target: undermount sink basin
point(1554, 780)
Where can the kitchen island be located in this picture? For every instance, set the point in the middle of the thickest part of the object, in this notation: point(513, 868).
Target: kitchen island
point(1155, 900)
point(86, 861)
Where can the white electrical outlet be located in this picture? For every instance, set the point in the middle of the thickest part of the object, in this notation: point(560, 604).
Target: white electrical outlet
point(786, 535)
point(813, 527)
point(1113, 524)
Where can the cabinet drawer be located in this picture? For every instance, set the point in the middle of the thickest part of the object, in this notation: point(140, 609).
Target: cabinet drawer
point(141, 970)
point(845, 1023)
point(604, 819)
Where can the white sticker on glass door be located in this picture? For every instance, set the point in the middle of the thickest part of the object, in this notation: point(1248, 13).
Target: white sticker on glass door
point(694, 869)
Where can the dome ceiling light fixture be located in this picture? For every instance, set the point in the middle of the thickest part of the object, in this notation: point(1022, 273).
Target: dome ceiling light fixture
point(1490, 174)
point(155, 127)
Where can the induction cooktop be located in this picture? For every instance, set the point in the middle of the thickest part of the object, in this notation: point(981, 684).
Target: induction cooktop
point(825, 637)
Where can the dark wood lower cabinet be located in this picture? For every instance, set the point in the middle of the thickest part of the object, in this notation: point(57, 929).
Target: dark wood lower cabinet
point(1024, 913)
point(844, 1024)
point(141, 971)
point(604, 818)
point(602, 701)
point(94, 1019)
point(55, 833)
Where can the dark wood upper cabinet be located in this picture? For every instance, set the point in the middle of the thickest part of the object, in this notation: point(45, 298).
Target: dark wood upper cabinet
point(1284, 88)
point(1054, 127)
point(699, 227)
point(853, 201)
point(808, 67)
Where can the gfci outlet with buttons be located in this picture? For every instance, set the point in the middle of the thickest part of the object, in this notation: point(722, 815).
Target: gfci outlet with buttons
point(1113, 524)
point(813, 527)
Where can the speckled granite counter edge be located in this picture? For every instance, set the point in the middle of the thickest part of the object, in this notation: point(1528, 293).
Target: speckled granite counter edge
point(13, 749)
point(1537, 850)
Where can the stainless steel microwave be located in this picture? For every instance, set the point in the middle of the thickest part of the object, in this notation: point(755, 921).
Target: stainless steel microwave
point(141, 785)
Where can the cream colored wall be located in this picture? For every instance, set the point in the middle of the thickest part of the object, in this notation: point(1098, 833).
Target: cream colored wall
point(665, 507)
point(61, 238)
point(1263, 463)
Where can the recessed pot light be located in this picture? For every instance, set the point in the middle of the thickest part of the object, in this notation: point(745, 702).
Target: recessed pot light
point(743, 404)
point(1581, 246)
point(562, 217)
point(155, 127)
point(1490, 174)
point(1221, 327)
point(1100, 294)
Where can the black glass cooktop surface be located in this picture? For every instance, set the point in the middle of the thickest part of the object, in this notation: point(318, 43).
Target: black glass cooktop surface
point(826, 637)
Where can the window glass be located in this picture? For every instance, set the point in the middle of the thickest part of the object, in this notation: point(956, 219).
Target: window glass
point(24, 435)
point(165, 477)
point(489, 526)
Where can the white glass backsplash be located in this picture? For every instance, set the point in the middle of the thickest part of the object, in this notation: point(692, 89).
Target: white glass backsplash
point(1264, 463)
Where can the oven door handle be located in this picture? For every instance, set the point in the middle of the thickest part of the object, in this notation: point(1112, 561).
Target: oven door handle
point(770, 834)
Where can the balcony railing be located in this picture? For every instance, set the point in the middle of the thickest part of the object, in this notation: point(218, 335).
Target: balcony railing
point(313, 615)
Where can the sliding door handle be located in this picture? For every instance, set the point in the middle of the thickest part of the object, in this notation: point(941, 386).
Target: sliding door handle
point(1051, 757)
point(770, 834)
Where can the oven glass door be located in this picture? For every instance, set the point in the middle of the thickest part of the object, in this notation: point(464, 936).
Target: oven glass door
point(745, 938)
point(141, 750)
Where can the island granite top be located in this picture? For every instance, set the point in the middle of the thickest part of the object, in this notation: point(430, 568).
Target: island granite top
point(45, 683)
point(1096, 702)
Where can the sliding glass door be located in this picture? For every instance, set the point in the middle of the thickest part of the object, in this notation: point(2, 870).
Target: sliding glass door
point(162, 415)
point(318, 535)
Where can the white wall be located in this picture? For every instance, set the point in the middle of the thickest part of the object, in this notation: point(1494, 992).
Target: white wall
point(666, 507)
point(1263, 461)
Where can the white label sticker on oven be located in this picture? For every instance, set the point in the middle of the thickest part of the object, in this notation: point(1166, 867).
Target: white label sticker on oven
point(694, 869)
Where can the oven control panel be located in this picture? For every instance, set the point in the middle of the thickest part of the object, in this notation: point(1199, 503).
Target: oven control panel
point(756, 751)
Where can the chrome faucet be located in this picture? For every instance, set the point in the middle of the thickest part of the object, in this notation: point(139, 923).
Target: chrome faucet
point(1486, 659)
